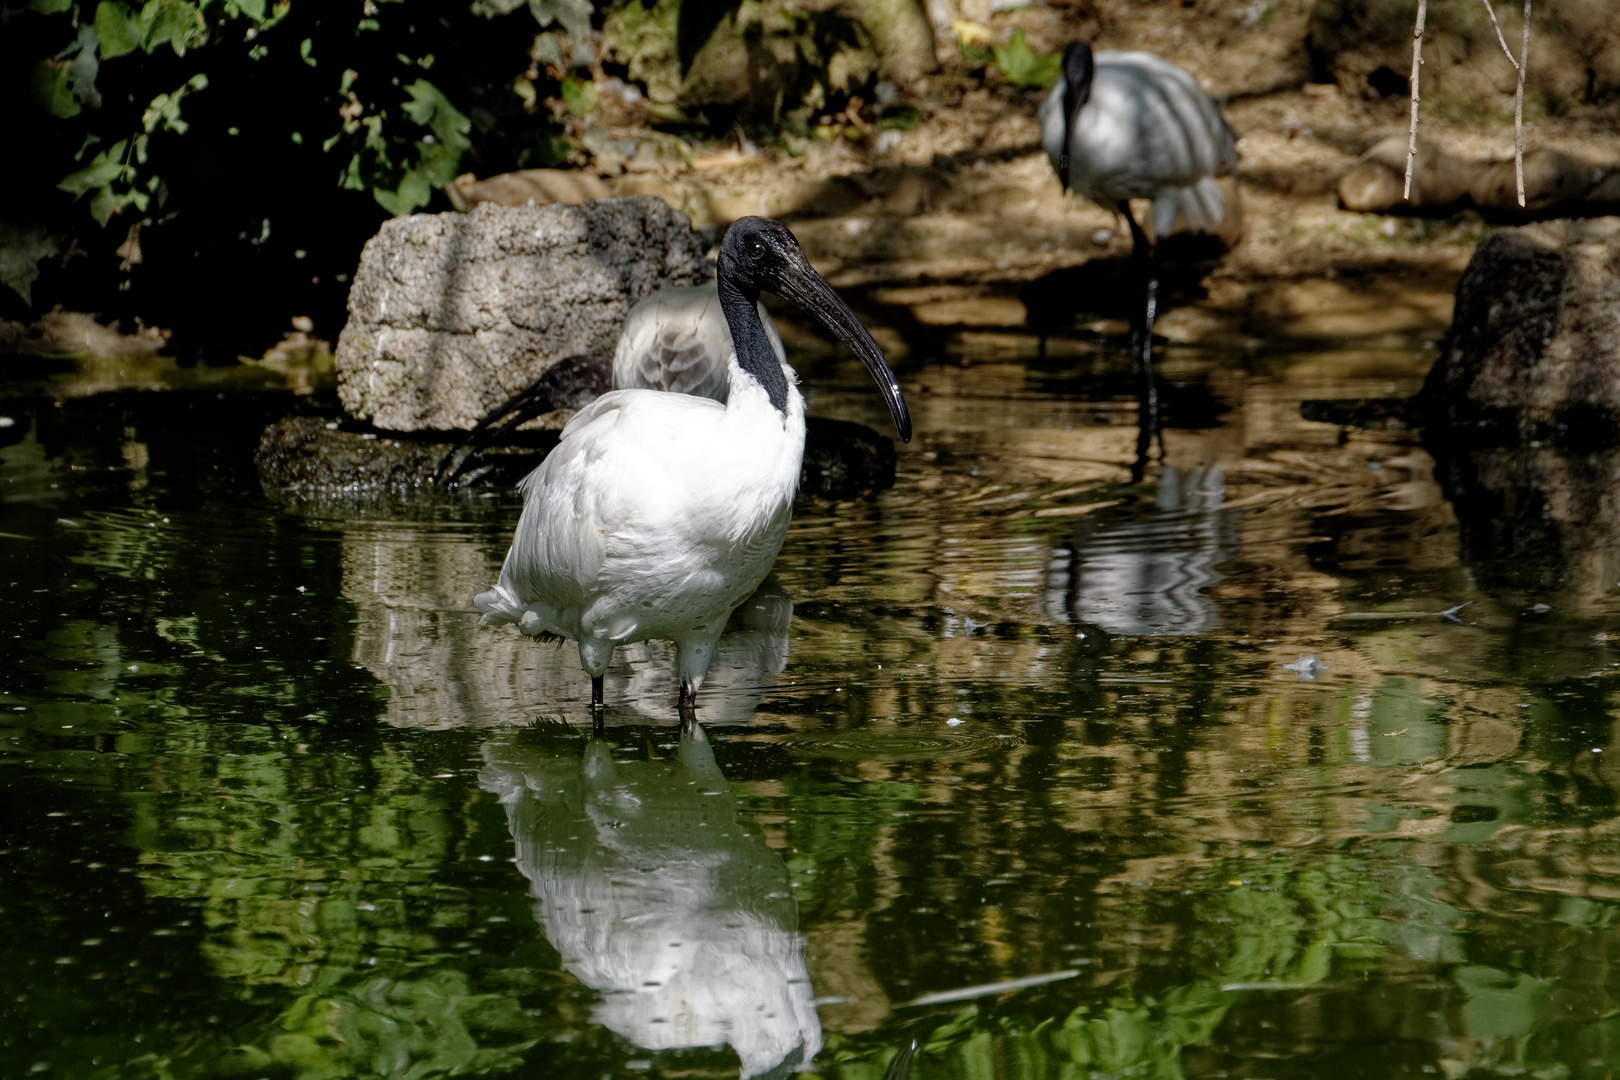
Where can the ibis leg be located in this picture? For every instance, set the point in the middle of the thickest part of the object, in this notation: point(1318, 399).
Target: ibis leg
point(598, 708)
point(1146, 259)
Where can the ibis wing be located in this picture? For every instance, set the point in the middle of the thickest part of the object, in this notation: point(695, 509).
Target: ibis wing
point(602, 505)
point(1148, 131)
point(677, 341)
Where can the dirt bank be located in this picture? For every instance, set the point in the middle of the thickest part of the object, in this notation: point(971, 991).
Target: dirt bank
point(952, 221)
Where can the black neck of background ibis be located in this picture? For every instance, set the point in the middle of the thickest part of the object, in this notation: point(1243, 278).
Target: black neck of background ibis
point(1078, 69)
point(754, 352)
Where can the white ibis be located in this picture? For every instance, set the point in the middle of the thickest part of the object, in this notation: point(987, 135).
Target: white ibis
point(658, 513)
point(1132, 125)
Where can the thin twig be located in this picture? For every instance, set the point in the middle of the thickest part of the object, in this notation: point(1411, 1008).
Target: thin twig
point(1417, 60)
point(1489, 10)
point(1518, 105)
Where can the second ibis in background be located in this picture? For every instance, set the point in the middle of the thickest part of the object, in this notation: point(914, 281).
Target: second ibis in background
point(1131, 125)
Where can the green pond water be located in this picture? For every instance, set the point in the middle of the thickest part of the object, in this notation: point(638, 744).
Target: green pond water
point(1197, 761)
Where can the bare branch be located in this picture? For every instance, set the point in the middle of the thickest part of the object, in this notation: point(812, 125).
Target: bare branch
point(1417, 61)
point(1491, 11)
point(1518, 105)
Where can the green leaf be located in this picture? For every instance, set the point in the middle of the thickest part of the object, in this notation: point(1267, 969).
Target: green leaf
point(50, 86)
point(117, 32)
point(50, 7)
point(1025, 67)
point(305, 47)
point(253, 9)
point(574, 15)
point(554, 150)
point(437, 163)
point(22, 249)
point(414, 190)
point(108, 202)
point(579, 95)
point(433, 110)
point(900, 117)
point(165, 108)
point(351, 179)
point(103, 169)
point(176, 22)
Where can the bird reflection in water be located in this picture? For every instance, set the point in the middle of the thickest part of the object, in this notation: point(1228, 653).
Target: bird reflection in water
point(661, 898)
point(1147, 574)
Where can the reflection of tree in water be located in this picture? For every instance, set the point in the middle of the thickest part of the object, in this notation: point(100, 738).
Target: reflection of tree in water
point(660, 897)
point(1254, 929)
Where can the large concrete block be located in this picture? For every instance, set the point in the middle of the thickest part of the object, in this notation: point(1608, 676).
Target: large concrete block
point(451, 314)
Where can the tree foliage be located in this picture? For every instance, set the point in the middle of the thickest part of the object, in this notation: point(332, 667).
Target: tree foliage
point(211, 141)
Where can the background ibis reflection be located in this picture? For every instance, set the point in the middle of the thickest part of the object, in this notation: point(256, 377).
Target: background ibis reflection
point(276, 806)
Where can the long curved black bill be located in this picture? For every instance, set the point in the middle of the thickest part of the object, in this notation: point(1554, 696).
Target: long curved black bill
point(804, 288)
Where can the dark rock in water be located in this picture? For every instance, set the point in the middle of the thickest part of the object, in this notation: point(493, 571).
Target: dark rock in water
point(1533, 351)
point(451, 314)
point(843, 460)
point(312, 455)
point(1368, 414)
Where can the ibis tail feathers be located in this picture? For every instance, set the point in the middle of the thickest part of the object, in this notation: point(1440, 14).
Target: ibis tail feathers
point(500, 607)
point(1203, 205)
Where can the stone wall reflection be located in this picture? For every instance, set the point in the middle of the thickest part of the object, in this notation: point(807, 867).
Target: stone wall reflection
point(662, 898)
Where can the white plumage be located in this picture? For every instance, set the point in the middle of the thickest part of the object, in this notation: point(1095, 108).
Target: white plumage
point(658, 513)
point(654, 517)
point(1143, 129)
point(677, 340)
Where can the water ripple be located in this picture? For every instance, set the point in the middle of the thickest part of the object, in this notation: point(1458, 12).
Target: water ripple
point(894, 744)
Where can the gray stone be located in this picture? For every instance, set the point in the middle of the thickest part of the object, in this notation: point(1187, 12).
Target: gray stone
point(1534, 347)
point(451, 314)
